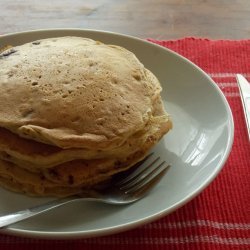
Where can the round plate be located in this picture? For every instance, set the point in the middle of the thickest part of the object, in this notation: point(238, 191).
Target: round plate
point(197, 147)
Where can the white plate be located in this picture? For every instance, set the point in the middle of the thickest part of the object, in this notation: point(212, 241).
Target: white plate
point(197, 147)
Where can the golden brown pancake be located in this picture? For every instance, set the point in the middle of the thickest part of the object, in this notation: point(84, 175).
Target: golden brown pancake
point(73, 113)
point(70, 177)
point(99, 96)
point(32, 154)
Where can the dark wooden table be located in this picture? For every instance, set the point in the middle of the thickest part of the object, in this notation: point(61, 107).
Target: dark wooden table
point(159, 19)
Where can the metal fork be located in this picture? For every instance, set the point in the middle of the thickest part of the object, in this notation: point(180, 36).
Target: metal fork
point(126, 188)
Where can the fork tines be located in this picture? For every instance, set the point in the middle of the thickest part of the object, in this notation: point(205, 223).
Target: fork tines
point(150, 170)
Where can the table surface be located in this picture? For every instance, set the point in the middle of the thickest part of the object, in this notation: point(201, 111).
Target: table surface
point(158, 19)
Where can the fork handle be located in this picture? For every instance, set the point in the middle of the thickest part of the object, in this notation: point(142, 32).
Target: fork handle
point(12, 218)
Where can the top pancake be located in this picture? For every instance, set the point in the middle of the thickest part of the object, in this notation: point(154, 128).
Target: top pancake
point(75, 93)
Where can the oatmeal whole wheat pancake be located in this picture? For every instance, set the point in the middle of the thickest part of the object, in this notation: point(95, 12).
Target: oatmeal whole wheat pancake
point(74, 112)
point(68, 177)
point(32, 154)
point(96, 88)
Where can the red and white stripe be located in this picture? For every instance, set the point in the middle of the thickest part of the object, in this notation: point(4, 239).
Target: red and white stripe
point(224, 75)
point(199, 223)
point(215, 239)
point(227, 83)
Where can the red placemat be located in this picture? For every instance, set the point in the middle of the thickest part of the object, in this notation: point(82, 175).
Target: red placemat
point(219, 218)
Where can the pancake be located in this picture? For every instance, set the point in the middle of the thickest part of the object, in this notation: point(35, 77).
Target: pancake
point(31, 190)
point(74, 112)
point(82, 172)
point(82, 98)
point(69, 178)
point(33, 155)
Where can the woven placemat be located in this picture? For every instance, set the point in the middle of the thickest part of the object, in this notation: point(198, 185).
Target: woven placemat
point(219, 218)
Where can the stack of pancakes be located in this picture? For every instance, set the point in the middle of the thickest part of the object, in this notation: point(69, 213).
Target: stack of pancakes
point(73, 112)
